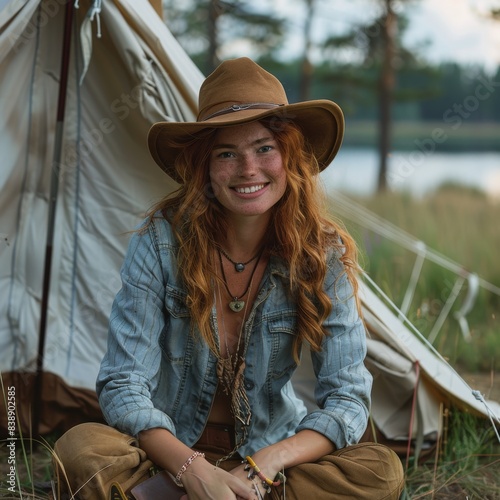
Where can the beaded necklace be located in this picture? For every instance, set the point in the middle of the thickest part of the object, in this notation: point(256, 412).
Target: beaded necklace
point(239, 267)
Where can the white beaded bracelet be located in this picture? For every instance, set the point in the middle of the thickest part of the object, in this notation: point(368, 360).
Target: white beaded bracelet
point(183, 469)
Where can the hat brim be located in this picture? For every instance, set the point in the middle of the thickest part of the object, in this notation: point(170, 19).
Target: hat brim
point(321, 122)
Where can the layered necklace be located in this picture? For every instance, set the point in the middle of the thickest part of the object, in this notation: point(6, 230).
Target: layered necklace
point(239, 267)
point(236, 304)
point(231, 367)
point(230, 373)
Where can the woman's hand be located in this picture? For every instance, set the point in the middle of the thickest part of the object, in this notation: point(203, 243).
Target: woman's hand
point(268, 467)
point(204, 481)
point(305, 446)
point(242, 474)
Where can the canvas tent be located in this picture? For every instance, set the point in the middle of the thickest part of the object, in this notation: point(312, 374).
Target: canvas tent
point(125, 71)
point(118, 84)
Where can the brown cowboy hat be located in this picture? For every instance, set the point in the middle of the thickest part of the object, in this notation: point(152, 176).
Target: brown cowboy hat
point(240, 91)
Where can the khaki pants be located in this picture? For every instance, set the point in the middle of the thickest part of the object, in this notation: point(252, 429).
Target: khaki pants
point(89, 457)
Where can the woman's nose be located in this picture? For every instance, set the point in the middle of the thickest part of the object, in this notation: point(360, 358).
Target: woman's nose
point(247, 166)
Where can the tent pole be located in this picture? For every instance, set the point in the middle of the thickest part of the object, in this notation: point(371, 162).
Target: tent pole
point(54, 187)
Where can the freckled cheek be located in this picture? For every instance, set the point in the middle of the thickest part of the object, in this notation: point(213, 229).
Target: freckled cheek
point(274, 166)
point(218, 180)
point(279, 175)
point(283, 184)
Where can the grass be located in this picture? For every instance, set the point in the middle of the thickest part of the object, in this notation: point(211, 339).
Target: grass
point(466, 466)
point(462, 224)
point(33, 469)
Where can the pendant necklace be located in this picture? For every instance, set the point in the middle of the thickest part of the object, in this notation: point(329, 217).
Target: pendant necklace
point(239, 267)
point(236, 305)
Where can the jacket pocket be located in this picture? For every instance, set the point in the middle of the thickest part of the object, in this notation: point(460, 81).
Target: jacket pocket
point(282, 328)
point(176, 341)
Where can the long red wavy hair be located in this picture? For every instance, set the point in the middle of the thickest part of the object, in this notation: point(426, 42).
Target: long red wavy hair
point(301, 232)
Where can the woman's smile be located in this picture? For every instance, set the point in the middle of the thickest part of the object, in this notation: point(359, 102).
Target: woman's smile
point(246, 170)
point(250, 189)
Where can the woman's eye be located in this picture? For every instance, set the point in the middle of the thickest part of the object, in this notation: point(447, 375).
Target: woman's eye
point(265, 149)
point(225, 154)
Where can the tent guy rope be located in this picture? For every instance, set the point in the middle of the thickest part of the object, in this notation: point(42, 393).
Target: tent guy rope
point(477, 394)
point(355, 212)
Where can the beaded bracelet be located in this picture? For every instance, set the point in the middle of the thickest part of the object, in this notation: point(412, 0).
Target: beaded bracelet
point(266, 482)
point(187, 463)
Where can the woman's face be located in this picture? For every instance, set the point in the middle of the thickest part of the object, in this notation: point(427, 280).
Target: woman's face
point(246, 169)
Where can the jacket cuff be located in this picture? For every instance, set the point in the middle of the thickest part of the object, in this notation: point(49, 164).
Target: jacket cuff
point(140, 420)
point(340, 433)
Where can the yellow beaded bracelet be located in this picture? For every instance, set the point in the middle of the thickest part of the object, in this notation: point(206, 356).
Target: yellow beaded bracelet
point(279, 479)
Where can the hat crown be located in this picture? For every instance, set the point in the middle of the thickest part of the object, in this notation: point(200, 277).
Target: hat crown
point(236, 82)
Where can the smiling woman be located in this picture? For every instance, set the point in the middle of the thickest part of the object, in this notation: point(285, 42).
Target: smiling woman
point(222, 285)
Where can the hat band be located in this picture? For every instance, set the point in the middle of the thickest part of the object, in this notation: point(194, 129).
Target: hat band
point(242, 107)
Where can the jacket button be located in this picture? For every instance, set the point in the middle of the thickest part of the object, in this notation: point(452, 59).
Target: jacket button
point(249, 385)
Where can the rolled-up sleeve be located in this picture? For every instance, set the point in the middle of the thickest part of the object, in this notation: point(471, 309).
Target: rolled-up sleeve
point(130, 368)
point(343, 384)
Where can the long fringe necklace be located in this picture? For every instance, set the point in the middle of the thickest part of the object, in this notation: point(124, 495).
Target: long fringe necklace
point(230, 370)
point(231, 367)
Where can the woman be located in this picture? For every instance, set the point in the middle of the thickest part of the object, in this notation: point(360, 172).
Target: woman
point(223, 284)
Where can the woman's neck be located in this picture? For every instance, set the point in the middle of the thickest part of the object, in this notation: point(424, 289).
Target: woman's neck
point(245, 237)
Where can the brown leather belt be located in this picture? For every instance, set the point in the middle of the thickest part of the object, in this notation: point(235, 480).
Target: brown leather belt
point(217, 437)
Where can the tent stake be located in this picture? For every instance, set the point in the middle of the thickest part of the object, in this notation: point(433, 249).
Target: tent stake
point(54, 187)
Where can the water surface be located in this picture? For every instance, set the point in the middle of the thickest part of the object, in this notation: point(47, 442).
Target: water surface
point(355, 171)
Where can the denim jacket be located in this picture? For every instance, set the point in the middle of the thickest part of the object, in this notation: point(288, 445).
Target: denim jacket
point(156, 373)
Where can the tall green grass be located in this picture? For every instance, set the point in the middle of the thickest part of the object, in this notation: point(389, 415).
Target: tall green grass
point(30, 459)
point(462, 224)
point(33, 470)
point(466, 466)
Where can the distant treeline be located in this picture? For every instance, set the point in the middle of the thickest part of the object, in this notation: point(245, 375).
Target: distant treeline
point(447, 93)
point(457, 107)
point(389, 81)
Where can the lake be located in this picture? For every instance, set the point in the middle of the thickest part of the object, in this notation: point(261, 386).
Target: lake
point(354, 171)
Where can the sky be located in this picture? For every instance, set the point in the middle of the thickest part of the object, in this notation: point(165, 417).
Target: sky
point(453, 30)
point(458, 30)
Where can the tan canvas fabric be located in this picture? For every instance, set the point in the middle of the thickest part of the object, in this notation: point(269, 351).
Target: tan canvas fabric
point(135, 74)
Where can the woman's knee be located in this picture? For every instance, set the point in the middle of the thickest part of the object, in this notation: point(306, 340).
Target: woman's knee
point(379, 464)
point(92, 439)
point(90, 456)
point(364, 471)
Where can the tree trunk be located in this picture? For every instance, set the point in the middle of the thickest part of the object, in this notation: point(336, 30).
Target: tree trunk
point(306, 66)
point(212, 60)
point(386, 90)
